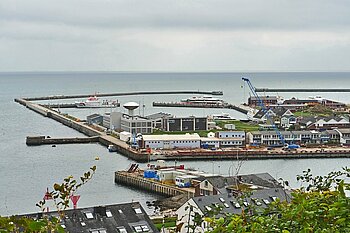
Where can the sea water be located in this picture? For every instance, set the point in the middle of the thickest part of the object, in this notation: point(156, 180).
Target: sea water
point(26, 172)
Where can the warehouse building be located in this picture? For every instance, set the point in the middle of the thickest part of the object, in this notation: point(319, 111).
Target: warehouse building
point(185, 123)
point(184, 141)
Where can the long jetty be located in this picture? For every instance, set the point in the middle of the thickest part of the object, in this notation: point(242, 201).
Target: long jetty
point(300, 90)
point(71, 105)
point(42, 140)
point(196, 105)
point(57, 97)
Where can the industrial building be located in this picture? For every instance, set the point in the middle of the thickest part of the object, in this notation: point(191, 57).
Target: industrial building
point(136, 124)
point(158, 119)
point(267, 100)
point(185, 123)
point(224, 139)
point(190, 141)
point(316, 101)
point(94, 119)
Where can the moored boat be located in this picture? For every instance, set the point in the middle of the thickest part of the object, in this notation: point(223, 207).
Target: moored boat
point(95, 102)
point(204, 100)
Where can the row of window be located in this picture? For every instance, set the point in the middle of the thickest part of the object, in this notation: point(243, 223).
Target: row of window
point(153, 142)
point(232, 136)
point(231, 143)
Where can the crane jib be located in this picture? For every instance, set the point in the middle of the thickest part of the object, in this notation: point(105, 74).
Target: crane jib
point(267, 113)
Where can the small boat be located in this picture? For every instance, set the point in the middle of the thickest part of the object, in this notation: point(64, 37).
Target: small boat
point(112, 148)
point(95, 102)
point(97, 158)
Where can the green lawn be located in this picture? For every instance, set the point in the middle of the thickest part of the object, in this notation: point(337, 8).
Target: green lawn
point(240, 126)
point(166, 225)
point(243, 126)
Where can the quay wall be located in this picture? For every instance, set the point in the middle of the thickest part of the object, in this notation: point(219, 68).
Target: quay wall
point(124, 149)
point(301, 90)
point(124, 178)
point(56, 97)
point(42, 140)
point(74, 125)
point(194, 105)
point(254, 155)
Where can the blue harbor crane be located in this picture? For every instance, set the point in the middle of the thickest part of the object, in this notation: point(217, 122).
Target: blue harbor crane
point(269, 118)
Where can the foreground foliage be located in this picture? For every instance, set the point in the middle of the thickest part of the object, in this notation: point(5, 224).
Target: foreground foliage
point(60, 196)
point(320, 205)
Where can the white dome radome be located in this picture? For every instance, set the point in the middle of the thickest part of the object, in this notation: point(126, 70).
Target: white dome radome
point(131, 105)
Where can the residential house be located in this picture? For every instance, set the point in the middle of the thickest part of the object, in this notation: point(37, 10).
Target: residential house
point(292, 137)
point(320, 123)
point(230, 204)
point(214, 185)
point(281, 117)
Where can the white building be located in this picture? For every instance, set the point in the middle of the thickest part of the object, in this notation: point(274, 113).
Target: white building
point(165, 141)
point(210, 142)
point(231, 138)
point(230, 134)
point(112, 120)
point(136, 124)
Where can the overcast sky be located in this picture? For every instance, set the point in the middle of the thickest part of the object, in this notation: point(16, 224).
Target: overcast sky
point(174, 35)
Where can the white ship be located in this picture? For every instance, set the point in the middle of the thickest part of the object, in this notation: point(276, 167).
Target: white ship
point(220, 117)
point(94, 102)
point(204, 100)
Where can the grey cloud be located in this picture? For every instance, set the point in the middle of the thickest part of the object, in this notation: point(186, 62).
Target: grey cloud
point(177, 35)
point(201, 14)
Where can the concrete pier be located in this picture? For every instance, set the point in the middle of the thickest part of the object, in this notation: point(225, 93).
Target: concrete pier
point(196, 105)
point(70, 105)
point(300, 90)
point(130, 179)
point(57, 97)
point(42, 140)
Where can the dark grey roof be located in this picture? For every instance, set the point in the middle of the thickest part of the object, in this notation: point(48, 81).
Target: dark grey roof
point(260, 114)
point(305, 120)
point(222, 181)
point(258, 198)
point(158, 115)
point(279, 111)
point(110, 218)
point(259, 179)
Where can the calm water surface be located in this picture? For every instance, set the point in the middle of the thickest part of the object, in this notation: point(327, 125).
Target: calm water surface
point(25, 172)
